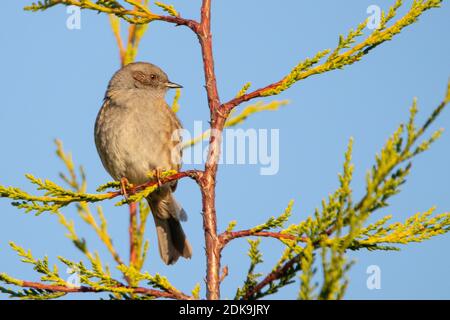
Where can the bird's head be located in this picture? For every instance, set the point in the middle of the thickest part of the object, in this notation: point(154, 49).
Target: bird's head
point(141, 75)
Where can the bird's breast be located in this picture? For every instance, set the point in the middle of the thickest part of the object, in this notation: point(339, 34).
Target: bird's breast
point(132, 139)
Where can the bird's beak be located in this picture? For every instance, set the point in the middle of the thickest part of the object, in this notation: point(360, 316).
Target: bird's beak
point(173, 85)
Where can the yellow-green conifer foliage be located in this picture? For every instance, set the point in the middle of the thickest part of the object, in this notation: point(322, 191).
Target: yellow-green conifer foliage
point(339, 224)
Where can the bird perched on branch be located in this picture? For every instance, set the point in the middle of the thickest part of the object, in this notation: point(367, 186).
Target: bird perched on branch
point(136, 133)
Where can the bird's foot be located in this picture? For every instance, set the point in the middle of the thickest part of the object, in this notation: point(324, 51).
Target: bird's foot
point(158, 173)
point(124, 184)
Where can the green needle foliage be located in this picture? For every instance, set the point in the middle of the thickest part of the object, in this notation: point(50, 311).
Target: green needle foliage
point(349, 50)
point(339, 225)
point(318, 242)
point(168, 8)
point(252, 278)
point(274, 223)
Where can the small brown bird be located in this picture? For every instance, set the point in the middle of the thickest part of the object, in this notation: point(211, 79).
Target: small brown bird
point(136, 133)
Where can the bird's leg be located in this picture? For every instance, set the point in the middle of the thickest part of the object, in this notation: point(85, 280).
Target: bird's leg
point(123, 187)
point(158, 173)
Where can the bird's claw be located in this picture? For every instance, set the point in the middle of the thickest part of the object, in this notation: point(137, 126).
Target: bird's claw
point(158, 177)
point(123, 187)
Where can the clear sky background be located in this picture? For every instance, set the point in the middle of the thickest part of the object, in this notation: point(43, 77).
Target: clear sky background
point(52, 82)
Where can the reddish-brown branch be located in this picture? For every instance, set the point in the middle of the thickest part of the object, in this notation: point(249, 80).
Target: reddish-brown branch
point(280, 271)
point(273, 276)
point(132, 229)
point(205, 38)
point(208, 179)
point(228, 106)
point(179, 21)
point(137, 290)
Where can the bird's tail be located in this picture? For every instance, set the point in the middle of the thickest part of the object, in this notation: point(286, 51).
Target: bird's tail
point(172, 241)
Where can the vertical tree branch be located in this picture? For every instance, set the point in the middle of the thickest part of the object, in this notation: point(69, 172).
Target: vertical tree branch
point(132, 229)
point(208, 181)
point(205, 37)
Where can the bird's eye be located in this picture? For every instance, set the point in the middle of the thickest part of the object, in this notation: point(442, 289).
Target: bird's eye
point(153, 76)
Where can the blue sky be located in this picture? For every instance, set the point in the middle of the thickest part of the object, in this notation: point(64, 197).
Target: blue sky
point(52, 84)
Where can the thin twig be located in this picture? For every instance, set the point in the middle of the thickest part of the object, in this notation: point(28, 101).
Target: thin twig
point(228, 236)
point(273, 276)
point(224, 273)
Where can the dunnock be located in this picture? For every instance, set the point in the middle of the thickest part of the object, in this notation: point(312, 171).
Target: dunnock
point(136, 133)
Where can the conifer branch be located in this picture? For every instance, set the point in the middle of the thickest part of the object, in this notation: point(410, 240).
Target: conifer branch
point(260, 230)
point(138, 14)
point(340, 212)
point(95, 280)
point(57, 197)
point(337, 60)
point(45, 289)
point(229, 236)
